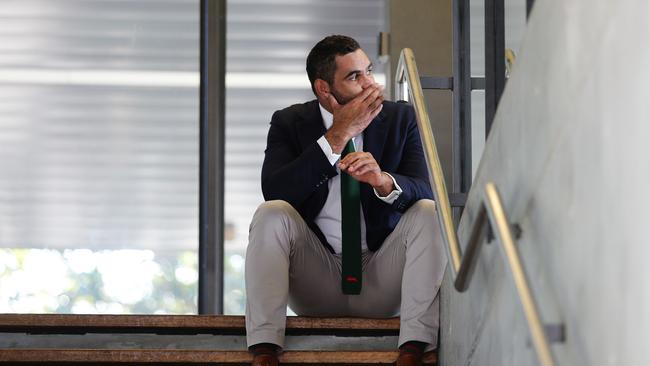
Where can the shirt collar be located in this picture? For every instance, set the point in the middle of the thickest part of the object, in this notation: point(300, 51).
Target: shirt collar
point(328, 118)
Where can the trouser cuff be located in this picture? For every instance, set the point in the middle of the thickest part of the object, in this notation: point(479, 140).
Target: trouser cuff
point(431, 341)
point(265, 336)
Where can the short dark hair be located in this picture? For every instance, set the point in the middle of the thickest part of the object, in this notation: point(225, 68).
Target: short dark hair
point(321, 61)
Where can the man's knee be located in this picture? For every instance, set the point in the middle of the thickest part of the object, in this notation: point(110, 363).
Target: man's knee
point(423, 207)
point(274, 214)
point(275, 209)
point(423, 219)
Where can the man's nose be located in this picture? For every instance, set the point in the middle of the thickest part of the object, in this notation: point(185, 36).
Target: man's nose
point(367, 81)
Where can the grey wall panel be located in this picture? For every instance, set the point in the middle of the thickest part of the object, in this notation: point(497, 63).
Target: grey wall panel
point(569, 154)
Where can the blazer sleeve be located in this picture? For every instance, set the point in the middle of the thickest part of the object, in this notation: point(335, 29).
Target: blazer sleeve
point(412, 174)
point(290, 172)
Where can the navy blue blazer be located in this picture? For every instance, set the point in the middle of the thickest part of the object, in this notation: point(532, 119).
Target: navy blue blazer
point(296, 170)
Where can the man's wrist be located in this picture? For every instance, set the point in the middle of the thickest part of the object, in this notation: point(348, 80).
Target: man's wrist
point(327, 150)
point(336, 140)
point(386, 186)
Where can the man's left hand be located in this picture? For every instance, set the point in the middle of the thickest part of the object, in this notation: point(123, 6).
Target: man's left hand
point(363, 167)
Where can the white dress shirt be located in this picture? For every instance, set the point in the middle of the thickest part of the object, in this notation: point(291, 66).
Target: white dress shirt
point(329, 218)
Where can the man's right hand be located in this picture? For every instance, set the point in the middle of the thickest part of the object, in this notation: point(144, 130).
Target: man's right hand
point(353, 117)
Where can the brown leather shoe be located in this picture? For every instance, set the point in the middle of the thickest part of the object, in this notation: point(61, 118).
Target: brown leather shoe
point(409, 359)
point(265, 359)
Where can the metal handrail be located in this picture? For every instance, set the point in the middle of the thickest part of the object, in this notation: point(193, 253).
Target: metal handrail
point(491, 210)
point(407, 69)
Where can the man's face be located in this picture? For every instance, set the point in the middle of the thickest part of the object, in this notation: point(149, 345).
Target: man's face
point(353, 75)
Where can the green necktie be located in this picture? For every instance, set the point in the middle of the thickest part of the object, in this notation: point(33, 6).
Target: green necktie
point(351, 231)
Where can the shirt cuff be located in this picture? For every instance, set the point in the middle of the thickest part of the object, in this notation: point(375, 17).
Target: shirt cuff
point(392, 196)
point(327, 150)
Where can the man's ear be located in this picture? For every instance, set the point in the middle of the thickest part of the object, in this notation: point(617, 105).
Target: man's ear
point(322, 88)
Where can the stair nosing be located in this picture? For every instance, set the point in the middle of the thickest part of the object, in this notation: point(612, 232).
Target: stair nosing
point(182, 323)
point(193, 356)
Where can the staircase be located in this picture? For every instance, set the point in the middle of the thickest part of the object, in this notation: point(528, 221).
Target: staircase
point(190, 340)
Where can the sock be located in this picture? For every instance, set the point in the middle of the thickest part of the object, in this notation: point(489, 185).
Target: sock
point(264, 349)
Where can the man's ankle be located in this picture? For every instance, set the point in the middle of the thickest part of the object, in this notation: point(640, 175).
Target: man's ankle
point(414, 347)
point(264, 348)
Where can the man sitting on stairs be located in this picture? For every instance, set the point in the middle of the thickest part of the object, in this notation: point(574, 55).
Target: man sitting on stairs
point(348, 227)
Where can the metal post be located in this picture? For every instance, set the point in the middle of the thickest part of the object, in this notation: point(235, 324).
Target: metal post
point(462, 116)
point(495, 66)
point(212, 141)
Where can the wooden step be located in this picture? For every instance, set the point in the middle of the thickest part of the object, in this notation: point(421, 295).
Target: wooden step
point(36, 345)
point(186, 324)
point(182, 357)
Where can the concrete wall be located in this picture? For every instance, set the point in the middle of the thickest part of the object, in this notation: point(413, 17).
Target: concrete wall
point(569, 151)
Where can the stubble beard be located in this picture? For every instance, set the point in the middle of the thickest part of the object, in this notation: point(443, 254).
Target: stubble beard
point(339, 98)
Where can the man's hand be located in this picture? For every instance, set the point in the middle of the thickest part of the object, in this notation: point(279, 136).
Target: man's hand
point(363, 167)
point(353, 117)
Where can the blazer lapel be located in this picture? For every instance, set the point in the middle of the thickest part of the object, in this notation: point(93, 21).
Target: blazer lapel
point(374, 136)
point(312, 126)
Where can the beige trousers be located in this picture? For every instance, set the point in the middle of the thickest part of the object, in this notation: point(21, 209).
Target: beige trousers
point(287, 264)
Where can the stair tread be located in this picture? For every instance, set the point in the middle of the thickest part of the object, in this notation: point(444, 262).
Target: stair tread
point(180, 323)
point(197, 356)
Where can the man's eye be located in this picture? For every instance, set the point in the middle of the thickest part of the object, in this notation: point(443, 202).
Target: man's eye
point(369, 71)
point(353, 77)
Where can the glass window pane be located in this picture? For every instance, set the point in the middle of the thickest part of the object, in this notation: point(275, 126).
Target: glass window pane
point(478, 128)
point(99, 156)
point(477, 37)
point(267, 43)
point(515, 23)
point(477, 52)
